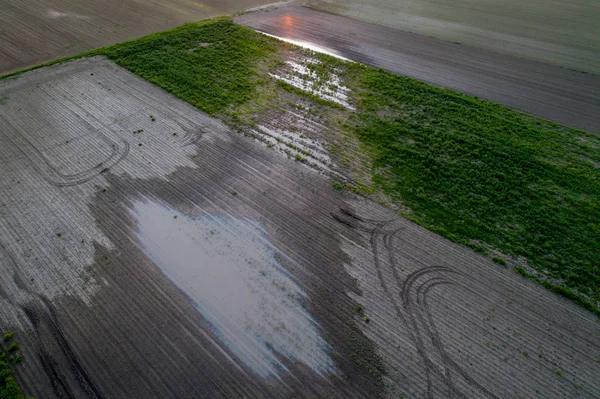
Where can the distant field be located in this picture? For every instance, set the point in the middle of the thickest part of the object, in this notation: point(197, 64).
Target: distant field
point(36, 31)
point(565, 33)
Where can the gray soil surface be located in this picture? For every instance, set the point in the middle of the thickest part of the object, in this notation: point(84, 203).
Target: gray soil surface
point(35, 31)
point(565, 33)
point(561, 95)
point(147, 250)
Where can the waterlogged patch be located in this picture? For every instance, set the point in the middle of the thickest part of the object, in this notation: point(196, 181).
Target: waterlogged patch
point(301, 76)
point(229, 270)
point(309, 46)
point(57, 14)
point(296, 145)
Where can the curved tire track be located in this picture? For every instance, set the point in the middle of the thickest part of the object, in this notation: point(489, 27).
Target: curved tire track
point(412, 310)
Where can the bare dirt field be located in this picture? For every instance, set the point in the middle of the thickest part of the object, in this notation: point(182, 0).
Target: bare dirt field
point(32, 32)
point(565, 33)
point(147, 250)
point(564, 96)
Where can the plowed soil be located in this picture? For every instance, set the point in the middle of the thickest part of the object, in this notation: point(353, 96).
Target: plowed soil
point(32, 32)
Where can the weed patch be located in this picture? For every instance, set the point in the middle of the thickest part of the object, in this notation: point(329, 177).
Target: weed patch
point(9, 357)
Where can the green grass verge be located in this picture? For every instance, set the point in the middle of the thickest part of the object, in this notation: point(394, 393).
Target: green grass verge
point(9, 388)
point(476, 172)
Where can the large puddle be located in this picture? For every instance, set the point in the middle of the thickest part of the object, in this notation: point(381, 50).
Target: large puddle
point(230, 271)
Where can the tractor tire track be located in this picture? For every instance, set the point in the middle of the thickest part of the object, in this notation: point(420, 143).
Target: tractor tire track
point(413, 311)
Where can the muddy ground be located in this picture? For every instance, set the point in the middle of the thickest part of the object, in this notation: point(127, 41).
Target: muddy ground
point(32, 32)
point(560, 33)
point(147, 250)
point(561, 95)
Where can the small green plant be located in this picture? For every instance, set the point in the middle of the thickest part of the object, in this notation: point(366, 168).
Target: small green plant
point(337, 185)
point(367, 319)
point(358, 308)
point(498, 260)
point(234, 193)
point(9, 388)
point(59, 234)
point(152, 118)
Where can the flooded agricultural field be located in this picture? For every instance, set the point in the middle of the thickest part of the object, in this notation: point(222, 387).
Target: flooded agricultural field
point(149, 250)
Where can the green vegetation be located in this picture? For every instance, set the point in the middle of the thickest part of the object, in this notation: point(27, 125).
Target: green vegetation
point(498, 260)
point(8, 336)
point(9, 388)
point(337, 184)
